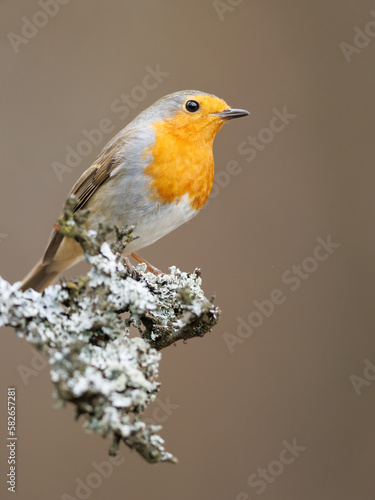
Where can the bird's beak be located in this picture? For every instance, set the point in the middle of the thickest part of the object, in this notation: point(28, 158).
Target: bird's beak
point(227, 114)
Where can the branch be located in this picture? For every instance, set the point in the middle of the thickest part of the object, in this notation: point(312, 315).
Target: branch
point(110, 377)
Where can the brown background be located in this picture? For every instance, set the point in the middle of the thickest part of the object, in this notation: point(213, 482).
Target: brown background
point(314, 179)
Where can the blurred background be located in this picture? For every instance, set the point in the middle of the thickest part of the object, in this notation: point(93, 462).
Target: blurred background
point(278, 401)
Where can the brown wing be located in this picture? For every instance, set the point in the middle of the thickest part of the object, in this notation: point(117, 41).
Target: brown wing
point(88, 184)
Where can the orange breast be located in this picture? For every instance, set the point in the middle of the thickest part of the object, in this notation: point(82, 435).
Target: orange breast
point(183, 161)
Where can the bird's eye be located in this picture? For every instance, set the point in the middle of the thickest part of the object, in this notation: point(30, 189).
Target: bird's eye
point(192, 106)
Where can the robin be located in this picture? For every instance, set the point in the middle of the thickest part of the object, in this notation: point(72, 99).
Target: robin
point(155, 174)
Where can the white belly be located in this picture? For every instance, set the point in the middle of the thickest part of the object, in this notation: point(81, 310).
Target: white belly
point(164, 219)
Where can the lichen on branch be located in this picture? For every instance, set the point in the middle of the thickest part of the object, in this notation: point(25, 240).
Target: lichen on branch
point(110, 377)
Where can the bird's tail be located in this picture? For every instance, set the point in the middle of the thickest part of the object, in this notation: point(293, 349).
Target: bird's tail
point(41, 276)
point(68, 253)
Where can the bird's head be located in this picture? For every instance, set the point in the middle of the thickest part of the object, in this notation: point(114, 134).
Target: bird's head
point(192, 115)
point(184, 126)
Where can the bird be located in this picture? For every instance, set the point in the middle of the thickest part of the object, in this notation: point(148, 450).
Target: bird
point(154, 175)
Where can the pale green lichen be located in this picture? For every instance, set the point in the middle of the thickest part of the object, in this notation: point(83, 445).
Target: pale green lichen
point(109, 377)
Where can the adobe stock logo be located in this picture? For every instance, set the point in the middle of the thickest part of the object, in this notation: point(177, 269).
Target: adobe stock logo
point(85, 487)
point(254, 144)
point(362, 39)
point(292, 280)
point(122, 107)
point(264, 476)
point(30, 27)
point(223, 6)
point(38, 363)
point(250, 148)
point(368, 377)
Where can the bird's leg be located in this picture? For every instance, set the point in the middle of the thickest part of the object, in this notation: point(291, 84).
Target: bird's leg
point(150, 267)
point(130, 268)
